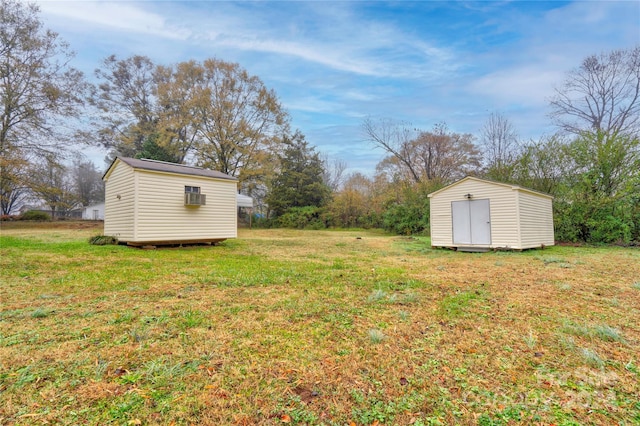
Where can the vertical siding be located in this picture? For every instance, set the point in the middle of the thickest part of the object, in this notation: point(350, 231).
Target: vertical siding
point(162, 215)
point(119, 211)
point(536, 219)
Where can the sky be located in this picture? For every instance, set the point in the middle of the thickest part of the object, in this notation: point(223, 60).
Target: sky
point(335, 63)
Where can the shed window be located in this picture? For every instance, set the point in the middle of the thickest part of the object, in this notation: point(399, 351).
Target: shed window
point(193, 197)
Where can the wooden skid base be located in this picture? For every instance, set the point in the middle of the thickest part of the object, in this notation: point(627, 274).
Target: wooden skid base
point(180, 243)
point(473, 249)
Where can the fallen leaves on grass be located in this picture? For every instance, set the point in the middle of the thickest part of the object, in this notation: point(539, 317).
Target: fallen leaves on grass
point(285, 418)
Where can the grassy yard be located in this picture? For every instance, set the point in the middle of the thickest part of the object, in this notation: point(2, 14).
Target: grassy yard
point(314, 327)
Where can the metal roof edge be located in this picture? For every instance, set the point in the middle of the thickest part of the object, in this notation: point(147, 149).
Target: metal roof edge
point(508, 185)
point(171, 168)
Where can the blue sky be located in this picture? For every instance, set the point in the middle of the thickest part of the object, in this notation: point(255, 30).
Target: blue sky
point(335, 63)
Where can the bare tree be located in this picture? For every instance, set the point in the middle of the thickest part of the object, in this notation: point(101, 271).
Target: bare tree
point(39, 92)
point(212, 113)
point(602, 95)
point(50, 181)
point(500, 147)
point(37, 85)
point(436, 155)
point(351, 204)
point(14, 189)
point(391, 169)
point(395, 138)
point(241, 122)
point(126, 101)
point(446, 156)
point(142, 104)
point(87, 181)
point(333, 172)
point(180, 95)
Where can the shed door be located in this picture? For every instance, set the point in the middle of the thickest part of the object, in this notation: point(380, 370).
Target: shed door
point(471, 222)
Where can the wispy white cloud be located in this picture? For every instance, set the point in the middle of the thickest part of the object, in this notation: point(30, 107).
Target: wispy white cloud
point(333, 63)
point(337, 39)
point(360, 95)
point(523, 85)
point(313, 104)
point(119, 16)
point(361, 59)
point(526, 71)
point(317, 54)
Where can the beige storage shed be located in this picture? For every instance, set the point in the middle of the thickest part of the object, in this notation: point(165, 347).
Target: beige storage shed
point(477, 215)
point(150, 202)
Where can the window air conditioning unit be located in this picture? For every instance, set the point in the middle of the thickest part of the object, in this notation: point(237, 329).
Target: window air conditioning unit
point(194, 199)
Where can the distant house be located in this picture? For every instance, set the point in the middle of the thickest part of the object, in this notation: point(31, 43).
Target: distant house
point(150, 202)
point(245, 201)
point(57, 214)
point(93, 212)
point(476, 215)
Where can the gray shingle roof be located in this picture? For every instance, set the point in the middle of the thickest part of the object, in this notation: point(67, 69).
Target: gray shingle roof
point(162, 166)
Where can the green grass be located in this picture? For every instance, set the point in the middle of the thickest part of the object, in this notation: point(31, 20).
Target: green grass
point(591, 357)
point(314, 327)
point(601, 331)
point(376, 336)
point(40, 313)
point(459, 304)
point(608, 333)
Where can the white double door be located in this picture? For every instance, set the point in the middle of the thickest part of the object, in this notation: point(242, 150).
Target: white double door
point(471, 222)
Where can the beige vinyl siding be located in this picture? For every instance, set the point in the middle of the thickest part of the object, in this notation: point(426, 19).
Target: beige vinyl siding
point(504, 220)
point(536, 220)
point(440, 224)
point(162, 215)
point(119, 211)
point(520, 218)
point(501, 201)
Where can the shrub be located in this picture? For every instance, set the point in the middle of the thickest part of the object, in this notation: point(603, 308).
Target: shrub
point(303, 218)
point(594, 222)
point(609, 229)
point(406, 219)
point(35, 215)
point(103, 240)
point(409, 214)
point(259, 221)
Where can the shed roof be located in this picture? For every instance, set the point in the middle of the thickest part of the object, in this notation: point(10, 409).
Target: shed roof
point(163, 166)
point(94, 205)
point(491, 182)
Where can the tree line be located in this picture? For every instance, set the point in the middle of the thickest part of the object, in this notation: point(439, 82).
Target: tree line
point(591, 165)
point(214, 114)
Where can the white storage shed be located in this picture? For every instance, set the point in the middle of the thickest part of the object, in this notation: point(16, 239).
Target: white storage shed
point(477, 215)
point(245, 201)
point(93, 212)
point(150, 202)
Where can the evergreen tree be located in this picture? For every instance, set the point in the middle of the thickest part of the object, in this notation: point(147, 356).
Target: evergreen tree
point(299, 182)
point(151, 150)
